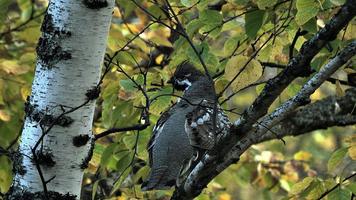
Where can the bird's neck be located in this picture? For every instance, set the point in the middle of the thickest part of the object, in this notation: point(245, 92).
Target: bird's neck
point(200, 89)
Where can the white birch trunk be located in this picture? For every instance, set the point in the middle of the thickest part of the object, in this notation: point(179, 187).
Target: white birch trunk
point(70, 53)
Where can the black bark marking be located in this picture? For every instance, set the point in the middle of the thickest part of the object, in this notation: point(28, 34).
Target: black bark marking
point(49, 48)
point(80, 140)
point(93, 93)
point(50, 52)
point(95, 4)
point(45, 158)
point(17, 167)
point(16, 193)
point(45, 119)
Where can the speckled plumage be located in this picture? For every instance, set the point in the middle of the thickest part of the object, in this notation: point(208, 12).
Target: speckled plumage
point(170, 148)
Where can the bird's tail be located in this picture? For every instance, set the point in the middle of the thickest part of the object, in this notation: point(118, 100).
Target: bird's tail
point(158, 180)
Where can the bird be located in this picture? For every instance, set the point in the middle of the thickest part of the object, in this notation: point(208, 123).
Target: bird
point(184, 130)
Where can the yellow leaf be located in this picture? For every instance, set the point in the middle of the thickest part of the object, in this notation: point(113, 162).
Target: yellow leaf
point(350, 140)
point(339, 91)
point(302, 155)
point(316, 95)
point(4, 115)
point(116, 12)
point(27, 58)
point(352, 152)
point(30, 38)
point(13, 68)
point(25, 92)
point(350, 32)
point(224, 196)
point(159, 59)
point(349, 70)
point(250, 74)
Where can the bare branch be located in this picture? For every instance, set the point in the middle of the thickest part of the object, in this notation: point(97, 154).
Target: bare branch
point(301, 98)
point(309, 88)
point(328, 112)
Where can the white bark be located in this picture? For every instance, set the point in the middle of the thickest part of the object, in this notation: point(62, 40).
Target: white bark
point(62, 83)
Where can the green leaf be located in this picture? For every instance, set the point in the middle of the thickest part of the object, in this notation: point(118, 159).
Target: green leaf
point(316, 189)
point(212, 21)
point(110, 151)
point(188, 3)
point(123, 175)
point(162, 101)
point(231, 44)
point(128, 7)
point(250, 74)
point(210, 59)
point(130, 140)
point(241, 2)
point(156, 11)
point(26, 9)
point(265, 53)
point(211, 62)
point(352, 187)
point(203, 4)
point(33, 37)
point(211, 17)
point(263, 4)
point(128, 85)
point(293, 89)
point(306, 9)
point(3, 10)
point(253, 22)
point(245, 173)
point(301, 186)
point(340, 194)
point(193, 27)
point(5, 174)
point(336, 159)
point(95, 188)
point(141, 173)
point(310, 26)
point(123, 162)
point(180, 44)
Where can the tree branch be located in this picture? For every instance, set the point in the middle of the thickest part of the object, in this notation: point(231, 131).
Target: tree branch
point(309, 88)
point(282, 112)
point(331, 111)
point(298, 66)
point(212, 164)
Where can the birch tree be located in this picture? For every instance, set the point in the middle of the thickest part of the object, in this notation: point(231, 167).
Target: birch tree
point(55, 141)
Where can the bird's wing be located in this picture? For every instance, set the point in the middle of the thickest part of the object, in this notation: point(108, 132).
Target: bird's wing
point(199, 125)
point(157, 130)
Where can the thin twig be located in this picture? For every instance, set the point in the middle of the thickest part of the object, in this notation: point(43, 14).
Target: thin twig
point(335, 186)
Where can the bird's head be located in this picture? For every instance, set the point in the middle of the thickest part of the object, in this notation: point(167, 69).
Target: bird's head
point(184, 76)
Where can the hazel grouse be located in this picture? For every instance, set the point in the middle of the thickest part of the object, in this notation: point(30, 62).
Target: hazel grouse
point(185, 129)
